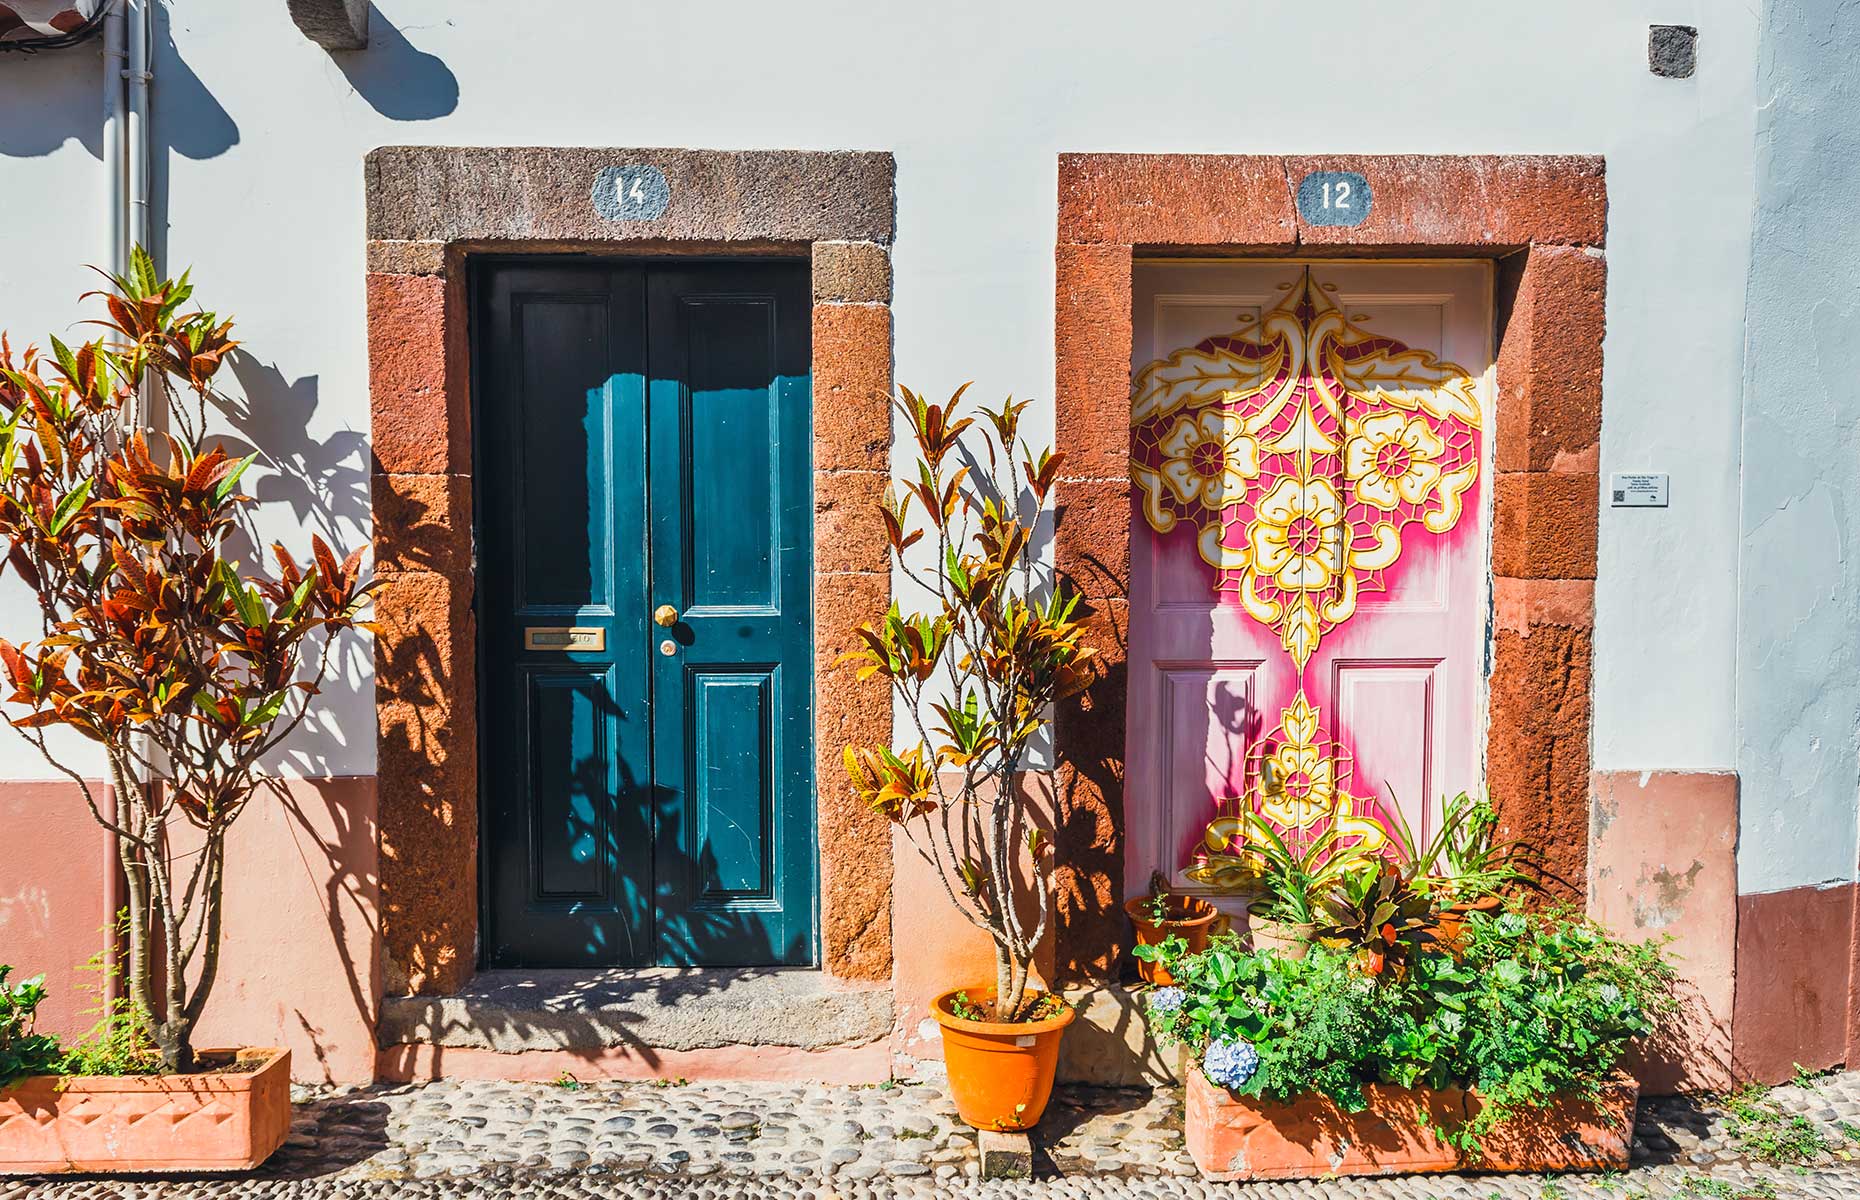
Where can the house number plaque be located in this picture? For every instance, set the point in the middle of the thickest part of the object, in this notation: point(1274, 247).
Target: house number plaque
point(1333, 198)
point(631, 193)
point(565, 637)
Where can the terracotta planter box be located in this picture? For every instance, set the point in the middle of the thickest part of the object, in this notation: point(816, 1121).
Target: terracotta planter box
point(230, 1121)
point(1238, 1137)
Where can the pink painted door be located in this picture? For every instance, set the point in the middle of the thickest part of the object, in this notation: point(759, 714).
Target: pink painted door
point(1309, 583)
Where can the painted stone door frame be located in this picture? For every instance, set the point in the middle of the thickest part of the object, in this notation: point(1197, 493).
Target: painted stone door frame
point(429, 209)
point(1544, 219)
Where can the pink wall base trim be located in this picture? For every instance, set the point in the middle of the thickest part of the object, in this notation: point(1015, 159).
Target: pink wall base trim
point(300, 948)
point(53, 911)
point(1663, 863)
point(1795, 951)
point(870, 1063)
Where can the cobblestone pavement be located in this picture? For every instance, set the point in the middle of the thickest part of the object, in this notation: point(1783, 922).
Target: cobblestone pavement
point(724, 1141)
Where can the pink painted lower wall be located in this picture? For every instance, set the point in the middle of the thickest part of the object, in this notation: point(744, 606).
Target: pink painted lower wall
point(299, 964)
point(54, 911)
point(935, 948)
point(1663, 864)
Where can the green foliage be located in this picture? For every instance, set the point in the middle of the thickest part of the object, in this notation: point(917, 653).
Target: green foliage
point(1524, 1009)
point(121, 1042)
point(23, 1051)
point(991, 653)
point(1536, 1006)
point(1294, 875)
point(1463, 861)
point(1724, 1189)
point(1317, 1023)
point(1766, 1133)
point(1379, 915)
point(567, 1082)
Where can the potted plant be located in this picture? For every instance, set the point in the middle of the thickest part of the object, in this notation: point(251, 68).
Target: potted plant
point(1377, 914)
point(978, 674)
point(1462, 865)
point(1499, 1053)
point(180, 671)
point(1162, 914)
point(1294, 876)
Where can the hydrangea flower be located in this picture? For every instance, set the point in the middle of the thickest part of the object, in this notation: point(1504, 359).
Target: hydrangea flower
point(1167, 1000)
point(1230, 1063)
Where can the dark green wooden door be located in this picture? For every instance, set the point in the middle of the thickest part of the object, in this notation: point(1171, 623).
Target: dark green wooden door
point(643, 446)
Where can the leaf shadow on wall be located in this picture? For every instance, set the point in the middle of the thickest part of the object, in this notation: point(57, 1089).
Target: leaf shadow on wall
point(1089, 785)
point(398, 79)
point(324, 482)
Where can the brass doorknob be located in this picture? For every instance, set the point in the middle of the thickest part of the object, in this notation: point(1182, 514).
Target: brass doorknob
point(665, 615)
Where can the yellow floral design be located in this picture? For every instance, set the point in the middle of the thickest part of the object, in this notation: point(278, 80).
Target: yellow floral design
point(1390, 458)
point(1297, 535)
point(1208, 458)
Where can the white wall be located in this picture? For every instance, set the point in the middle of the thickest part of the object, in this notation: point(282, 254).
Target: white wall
point(263, 187)
point(1799, 643)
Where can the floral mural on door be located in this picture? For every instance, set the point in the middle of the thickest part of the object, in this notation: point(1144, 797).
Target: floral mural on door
point(1306, 456)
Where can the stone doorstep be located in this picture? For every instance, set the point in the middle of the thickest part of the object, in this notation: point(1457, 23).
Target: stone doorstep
point(660, 1008)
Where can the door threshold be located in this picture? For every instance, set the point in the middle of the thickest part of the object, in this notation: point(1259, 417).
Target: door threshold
point(656, 1008)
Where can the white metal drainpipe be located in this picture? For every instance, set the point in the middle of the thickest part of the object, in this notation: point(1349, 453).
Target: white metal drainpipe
point(115, 63)
point(137, 150)
point(127, 37)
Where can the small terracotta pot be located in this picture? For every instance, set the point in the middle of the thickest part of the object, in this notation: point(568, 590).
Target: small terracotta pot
point(220, 1121)
point(1000, 1074)
point(1190, 917)
point(1452, 921)
point(1287, 940)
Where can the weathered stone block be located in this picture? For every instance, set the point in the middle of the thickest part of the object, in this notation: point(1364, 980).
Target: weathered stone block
point(542, 193)
point(852, 386)
point(1005, 1155)
point(1091, 385)
point(852, 273)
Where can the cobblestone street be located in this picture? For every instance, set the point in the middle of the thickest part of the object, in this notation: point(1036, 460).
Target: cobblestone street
point(718, 1141)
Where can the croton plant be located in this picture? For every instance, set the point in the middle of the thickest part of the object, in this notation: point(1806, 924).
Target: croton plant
point(978, 669)
point(178, 663)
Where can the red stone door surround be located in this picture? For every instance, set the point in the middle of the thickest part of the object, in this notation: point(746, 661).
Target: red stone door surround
point(1544, 219)
point(429, 209)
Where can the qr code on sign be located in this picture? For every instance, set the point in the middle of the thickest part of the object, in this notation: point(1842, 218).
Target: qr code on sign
point(1620, 497)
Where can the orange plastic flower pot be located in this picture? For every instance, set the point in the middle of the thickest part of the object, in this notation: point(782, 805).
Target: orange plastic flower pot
point(1000, 1074)
point(1190, 917)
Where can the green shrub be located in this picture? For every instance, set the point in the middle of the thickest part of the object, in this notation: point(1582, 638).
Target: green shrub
point(22, 1051)
point(1521, 1009)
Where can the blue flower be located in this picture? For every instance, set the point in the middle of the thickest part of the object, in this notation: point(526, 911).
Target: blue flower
point(1167, 1000)
point(1230, 1064)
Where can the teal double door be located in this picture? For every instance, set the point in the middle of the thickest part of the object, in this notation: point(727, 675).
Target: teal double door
point(645, 523)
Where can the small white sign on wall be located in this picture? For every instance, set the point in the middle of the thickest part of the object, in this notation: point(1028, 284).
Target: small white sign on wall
point(1637, 491)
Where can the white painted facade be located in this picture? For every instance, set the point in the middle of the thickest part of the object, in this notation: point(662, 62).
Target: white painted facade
point(260, 137)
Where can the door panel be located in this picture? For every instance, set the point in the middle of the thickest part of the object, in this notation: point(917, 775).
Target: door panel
point(732, 519)
point(1393, 670)
point(643, 439)
point(566, 744)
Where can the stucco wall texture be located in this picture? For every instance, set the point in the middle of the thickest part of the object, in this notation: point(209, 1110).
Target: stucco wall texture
point(1798, 642)
point(261, 136)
